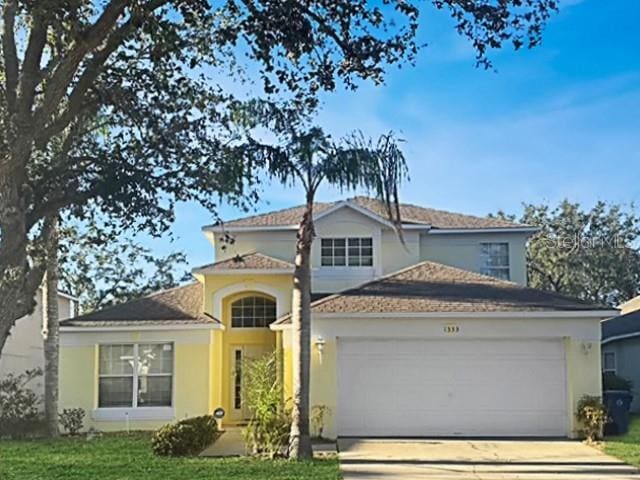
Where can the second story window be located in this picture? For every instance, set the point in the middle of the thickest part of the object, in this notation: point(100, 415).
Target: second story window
point(351, 251)
point(494, 260)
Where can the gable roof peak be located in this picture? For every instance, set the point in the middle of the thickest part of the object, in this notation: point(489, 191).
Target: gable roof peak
point(289, 218)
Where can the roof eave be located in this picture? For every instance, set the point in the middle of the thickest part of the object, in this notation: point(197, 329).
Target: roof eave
point(135, 328)
point(272, 228)
point(444, 231)
point(599, 314)
point(617, 338)
point(243, 271)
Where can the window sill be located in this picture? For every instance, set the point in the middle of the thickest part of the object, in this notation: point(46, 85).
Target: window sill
point(142, 413)
point(368, 270)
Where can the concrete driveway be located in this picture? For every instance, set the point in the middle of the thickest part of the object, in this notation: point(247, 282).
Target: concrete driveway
point(478, 460)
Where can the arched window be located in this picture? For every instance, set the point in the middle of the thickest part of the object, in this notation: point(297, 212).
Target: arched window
point(253, 312)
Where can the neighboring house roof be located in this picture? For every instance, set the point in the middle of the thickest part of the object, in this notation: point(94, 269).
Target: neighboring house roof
point(410, 214)
point(624, 326)
point(248, 261)
point(180, 305)
point(630, 305)
point(68, 296)
point(430, 287)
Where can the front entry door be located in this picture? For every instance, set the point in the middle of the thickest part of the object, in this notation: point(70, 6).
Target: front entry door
point(240, 353)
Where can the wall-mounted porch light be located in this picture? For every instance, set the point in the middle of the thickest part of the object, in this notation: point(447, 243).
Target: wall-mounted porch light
point(319, 342)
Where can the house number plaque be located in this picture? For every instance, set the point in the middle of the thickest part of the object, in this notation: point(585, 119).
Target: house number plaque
point(451, 329)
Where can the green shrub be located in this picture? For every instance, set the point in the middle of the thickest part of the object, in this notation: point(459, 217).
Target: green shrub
point(592, 416)
point(319, 414)
point(71, 420)
point(20, 414)
point(268, 430)
point(186, 437)
point(611, 381)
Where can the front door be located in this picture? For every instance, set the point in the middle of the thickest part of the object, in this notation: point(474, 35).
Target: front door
point(239, 354)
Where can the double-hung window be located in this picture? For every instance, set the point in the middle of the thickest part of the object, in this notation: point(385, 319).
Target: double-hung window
point(350, 251)
point(609, 362)
point(494, 260)
point(135, 375)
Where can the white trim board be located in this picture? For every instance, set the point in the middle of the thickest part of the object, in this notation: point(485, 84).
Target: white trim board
point(507, 315)
point(68, 297)
point(133, 414)
point(271, 228)
point(445, 231)
point(587, 314)
point(620, 337)
point(136, 328)
point(240, 271)
point(249, 286)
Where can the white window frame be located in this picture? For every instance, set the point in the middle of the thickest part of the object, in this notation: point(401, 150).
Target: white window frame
point(329, 260)
point(615, 363)
point(486, 269)
point(136, 376)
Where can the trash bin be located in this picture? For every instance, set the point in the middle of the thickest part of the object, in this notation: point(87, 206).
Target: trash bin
point(618, 403)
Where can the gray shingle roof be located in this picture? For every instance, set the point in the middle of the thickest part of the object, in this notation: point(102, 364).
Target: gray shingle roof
point(249, 261)
point(437, 219)
point(430, 287)
point(180, 305)
point(628, 324)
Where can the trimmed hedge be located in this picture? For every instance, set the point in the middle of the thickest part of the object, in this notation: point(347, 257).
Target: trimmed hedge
point(186, 437)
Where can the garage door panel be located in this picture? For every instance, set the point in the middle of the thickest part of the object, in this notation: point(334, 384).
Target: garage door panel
point(451, 387)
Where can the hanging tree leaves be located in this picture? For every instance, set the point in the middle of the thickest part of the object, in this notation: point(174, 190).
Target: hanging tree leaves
point(126, 106)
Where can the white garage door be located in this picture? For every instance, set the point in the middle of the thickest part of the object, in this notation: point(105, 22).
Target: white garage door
point(451, 388)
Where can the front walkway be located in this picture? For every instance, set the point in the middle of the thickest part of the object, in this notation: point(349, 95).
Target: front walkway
point(230, 444)
point(478, 460)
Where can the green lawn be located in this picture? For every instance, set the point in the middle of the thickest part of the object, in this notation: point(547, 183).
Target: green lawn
point(627, 447)
point(125, 457)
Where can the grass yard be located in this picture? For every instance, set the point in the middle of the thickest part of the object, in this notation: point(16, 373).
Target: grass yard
point(126, 457)
point(627, 447)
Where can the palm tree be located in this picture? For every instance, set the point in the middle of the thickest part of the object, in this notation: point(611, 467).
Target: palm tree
point(310, 159)
point(51, 330)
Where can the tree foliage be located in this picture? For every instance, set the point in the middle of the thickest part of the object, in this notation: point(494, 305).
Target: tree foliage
point(125, 105)
point(592, 254)
point(103, 268)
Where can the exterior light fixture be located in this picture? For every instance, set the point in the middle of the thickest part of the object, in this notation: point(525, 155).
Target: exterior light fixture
point(320, 347)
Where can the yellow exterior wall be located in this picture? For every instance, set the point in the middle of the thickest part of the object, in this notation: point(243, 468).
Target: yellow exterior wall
point(581, 339)
point(583, 374)
point(78, 370)
point(191, 376)
point(324, 383)
point(287, 364)
point(241, 286)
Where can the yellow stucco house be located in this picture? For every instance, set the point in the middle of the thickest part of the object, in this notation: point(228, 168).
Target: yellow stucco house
point(439, 337)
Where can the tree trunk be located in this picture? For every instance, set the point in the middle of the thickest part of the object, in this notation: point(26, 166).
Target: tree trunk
point(20, 276)
point(50, 332)
point(300, 438)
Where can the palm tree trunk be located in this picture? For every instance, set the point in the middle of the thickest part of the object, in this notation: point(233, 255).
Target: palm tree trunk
point(300, 438)
point(51, 333)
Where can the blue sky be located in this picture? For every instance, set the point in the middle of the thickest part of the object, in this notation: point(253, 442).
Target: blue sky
point(562, 120)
